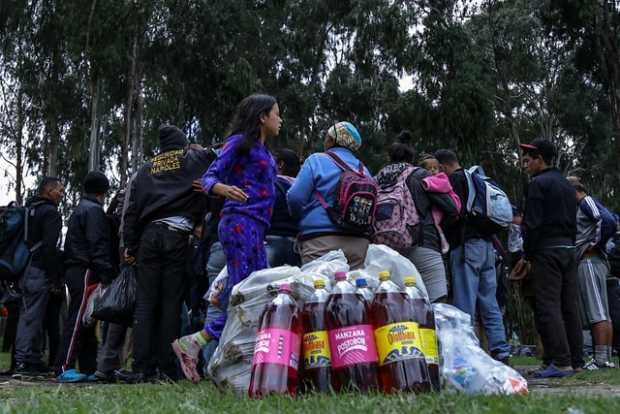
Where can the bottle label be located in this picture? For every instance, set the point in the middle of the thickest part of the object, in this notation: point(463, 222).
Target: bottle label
point(352, 345)
point(429, 345)
point(398, 342)
point(277, 346)
point(316, 350)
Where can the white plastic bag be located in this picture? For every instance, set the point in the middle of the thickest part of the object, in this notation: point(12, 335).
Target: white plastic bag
point(465, 367)
point(380, 258)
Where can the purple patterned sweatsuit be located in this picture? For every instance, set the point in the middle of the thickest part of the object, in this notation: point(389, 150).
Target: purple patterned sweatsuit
point(242, 225)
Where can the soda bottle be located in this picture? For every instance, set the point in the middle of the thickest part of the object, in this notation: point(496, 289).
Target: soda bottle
point(351, 339)
point(402, 366)
point(362, 289)
point(426, 317)
point(278, 342)
point(316, 375)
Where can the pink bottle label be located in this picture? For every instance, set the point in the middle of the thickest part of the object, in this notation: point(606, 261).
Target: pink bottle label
point(277, 346)
point(352, 345)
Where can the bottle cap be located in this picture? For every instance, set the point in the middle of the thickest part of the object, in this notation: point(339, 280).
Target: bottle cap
point(384, 275)
point(361, 282)
point(319, 283)
point(410, 281)
point(284, 287)
point(341, 276)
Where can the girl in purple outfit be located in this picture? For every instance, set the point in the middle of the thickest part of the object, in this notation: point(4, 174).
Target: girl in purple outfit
point(244, 174)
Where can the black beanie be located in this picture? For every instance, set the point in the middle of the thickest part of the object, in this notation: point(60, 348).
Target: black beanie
point(171, 138)
point(96, 183)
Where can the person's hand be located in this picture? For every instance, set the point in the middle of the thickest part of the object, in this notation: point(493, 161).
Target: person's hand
point(197, 186)
point(520, 270)
point(230, 192)
point(128, 258)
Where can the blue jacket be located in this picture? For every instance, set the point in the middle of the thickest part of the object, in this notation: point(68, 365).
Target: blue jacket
point(318, 174)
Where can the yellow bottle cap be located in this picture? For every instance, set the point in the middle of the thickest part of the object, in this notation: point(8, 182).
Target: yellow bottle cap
point(319, 284)
point(383, 276)
point(410, 281)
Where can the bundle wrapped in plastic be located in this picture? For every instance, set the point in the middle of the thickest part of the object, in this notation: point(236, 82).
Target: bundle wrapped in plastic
point(231, 363)
point(379, 258)
point(465, 366)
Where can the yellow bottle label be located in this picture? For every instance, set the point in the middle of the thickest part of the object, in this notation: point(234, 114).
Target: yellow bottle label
point(398, 342)
point(429, 345)
point(316, 350)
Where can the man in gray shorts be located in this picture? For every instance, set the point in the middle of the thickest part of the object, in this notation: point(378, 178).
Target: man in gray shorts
point(595, 226)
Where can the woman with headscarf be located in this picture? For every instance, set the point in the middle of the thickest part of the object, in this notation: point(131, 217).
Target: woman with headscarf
point(317, 182)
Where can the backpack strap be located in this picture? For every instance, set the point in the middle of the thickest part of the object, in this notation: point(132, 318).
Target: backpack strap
point(343, 165)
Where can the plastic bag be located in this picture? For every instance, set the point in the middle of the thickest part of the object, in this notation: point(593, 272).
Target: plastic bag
point(465, 366)
point(231, 363)
point(116, 303)
point(379, 258)
point(87, 318)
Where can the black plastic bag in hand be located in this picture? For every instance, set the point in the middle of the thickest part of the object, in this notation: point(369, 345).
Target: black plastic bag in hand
point(116, 303)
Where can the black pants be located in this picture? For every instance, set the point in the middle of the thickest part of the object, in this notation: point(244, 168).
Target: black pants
point(85, 347)
point(52, 327)
point(554, 274)
point(161, 283)
point(111, 350)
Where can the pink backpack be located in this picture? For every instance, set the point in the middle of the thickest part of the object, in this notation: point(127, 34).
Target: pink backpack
point(356, 199)
point(397, 219)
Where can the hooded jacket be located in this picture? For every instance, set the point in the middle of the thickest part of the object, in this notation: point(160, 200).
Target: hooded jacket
point(88, 242)
point(44, 225)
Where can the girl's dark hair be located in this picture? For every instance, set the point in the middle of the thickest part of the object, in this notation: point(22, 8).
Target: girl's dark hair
point(404, 137)
point(246, 120)
point(400, 152)
point(290, 159)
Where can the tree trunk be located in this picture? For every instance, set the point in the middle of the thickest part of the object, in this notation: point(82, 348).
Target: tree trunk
point(131, 86)
point(19, 161)
point(93, 154)
point(137, 150)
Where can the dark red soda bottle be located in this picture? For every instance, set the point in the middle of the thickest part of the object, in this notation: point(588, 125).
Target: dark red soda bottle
point(316, 373)
point(278, 342)
point(351, 339)
point(426, 317)
point(402, 366)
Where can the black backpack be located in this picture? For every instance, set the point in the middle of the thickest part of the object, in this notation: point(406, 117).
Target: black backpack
point(14, 250)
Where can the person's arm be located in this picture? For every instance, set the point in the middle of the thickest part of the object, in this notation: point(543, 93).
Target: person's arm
point(50, 234)
point(301, 192)
point(533, 217)
point(97, 231)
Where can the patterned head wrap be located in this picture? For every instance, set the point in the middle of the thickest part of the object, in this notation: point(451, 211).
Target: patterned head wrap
point(345, 135)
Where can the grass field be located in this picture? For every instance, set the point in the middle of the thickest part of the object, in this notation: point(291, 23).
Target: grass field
point(187, 398)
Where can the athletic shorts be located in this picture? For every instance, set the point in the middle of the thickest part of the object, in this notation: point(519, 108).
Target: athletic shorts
point(592, 283)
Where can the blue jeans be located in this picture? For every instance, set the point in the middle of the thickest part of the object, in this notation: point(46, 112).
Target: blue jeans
point(474, 282)
point(215, 264)
point(281, 251)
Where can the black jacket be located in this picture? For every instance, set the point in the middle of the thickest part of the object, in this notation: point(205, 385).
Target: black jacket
point(163, 188)
point(44, 225)
point(550, 217)
point(464, 228)
point(424, 201)
point(88, 242)
point(282, 224)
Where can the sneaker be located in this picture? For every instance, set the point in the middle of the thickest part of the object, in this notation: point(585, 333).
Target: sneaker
point(71, 376)
point(187, 350)
point(25, 370)
point(129, 377)
point(553, 372)
point(593, 365)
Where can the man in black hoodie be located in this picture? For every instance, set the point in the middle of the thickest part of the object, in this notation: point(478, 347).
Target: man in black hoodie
point(44, 227)
point(162, 211)
point(549, 232)
point(88, 261)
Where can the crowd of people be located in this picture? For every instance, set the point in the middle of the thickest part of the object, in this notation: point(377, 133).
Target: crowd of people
point(190, 211)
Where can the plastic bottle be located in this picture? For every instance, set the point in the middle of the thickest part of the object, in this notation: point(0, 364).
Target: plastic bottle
point(351, 339)
point(362, 289)
point(278, 342)
point(316, 374)
point(402, 366)
point(426, 318)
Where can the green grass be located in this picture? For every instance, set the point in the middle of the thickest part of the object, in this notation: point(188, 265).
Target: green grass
point(188, 398)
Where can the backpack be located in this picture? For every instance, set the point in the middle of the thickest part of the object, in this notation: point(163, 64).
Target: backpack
point(397, 218)
point(487, 204)
point(14, 251)
point(356, 199)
